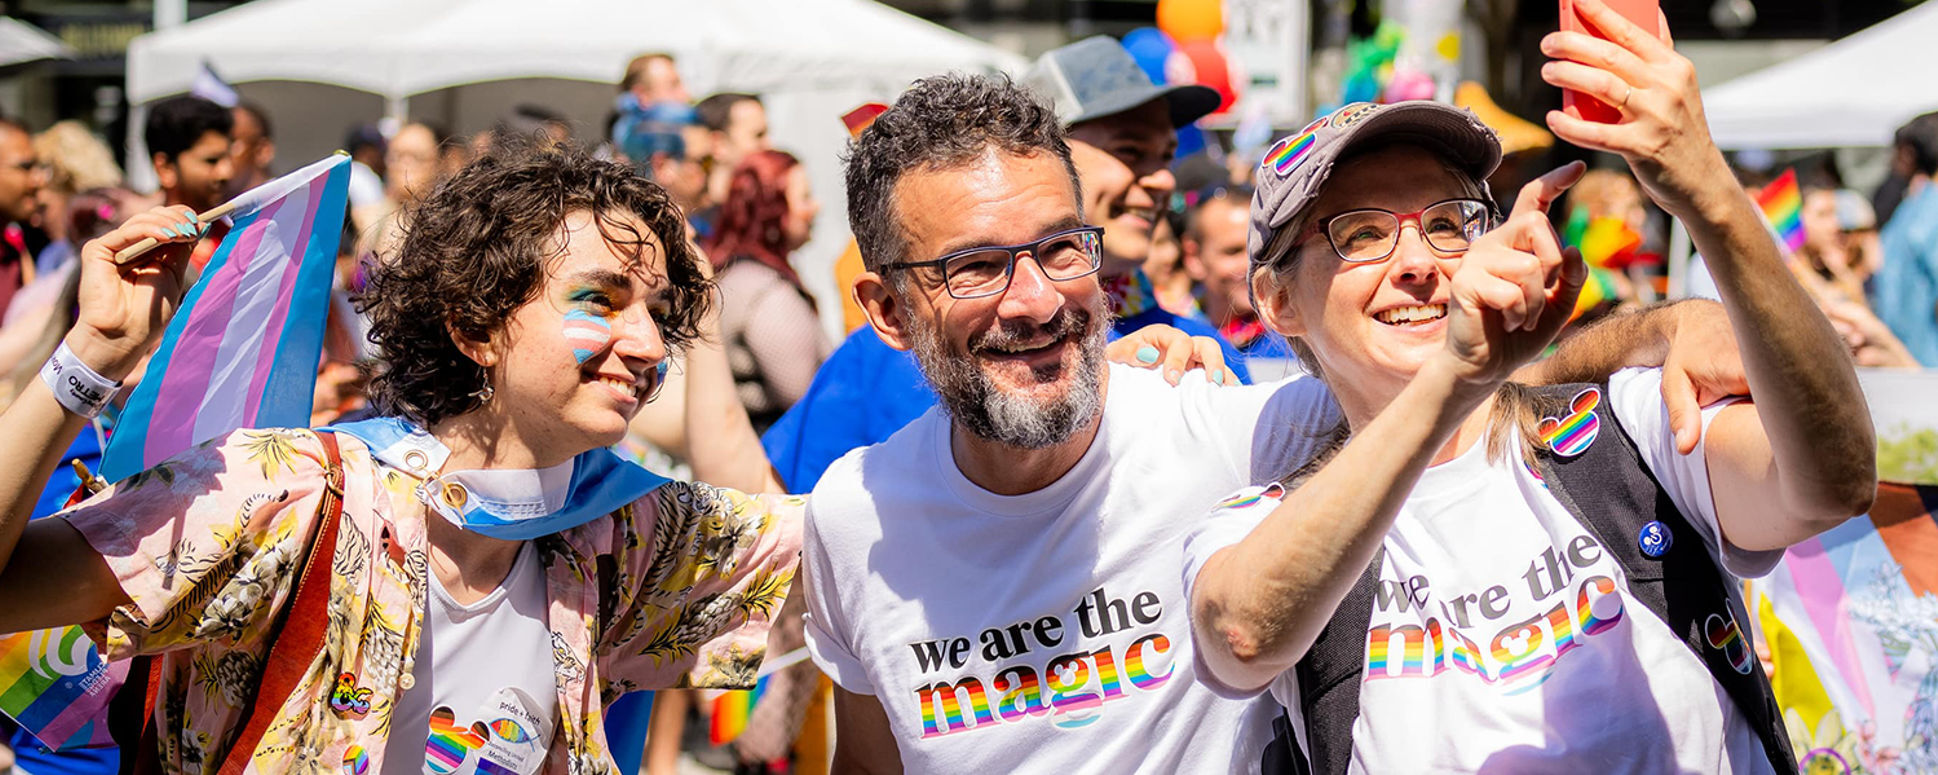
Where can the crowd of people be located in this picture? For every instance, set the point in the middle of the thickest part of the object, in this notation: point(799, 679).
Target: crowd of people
point(1033, 513)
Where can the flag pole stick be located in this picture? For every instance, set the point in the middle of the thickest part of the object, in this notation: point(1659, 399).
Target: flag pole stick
point(130, 253)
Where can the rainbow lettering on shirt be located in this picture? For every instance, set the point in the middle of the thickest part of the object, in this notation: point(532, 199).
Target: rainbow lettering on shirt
point(1134, 666)
point(1519, 655)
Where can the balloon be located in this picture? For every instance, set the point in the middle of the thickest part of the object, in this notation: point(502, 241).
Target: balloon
point(1213, 69)
point(1150, 48)
point(1186, 20)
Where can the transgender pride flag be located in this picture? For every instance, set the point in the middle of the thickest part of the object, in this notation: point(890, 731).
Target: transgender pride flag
point(242, 351)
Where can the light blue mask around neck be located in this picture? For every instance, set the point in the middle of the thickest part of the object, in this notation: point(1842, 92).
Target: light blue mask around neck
point(507, 504)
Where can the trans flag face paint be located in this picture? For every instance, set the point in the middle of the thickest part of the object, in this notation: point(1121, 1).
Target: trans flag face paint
point(588, 333)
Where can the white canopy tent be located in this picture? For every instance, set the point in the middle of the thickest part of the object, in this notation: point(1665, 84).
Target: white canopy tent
point(1852, 93)
point(320, 67)
point(21, 42)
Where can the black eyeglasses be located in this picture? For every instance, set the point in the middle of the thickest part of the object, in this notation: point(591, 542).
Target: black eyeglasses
point(986, 271)
point(1365, 236)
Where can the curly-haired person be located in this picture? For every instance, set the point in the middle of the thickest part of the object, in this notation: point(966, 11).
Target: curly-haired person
point(496, 576)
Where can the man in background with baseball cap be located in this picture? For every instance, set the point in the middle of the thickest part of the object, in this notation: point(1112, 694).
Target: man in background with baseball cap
point(1122, 134)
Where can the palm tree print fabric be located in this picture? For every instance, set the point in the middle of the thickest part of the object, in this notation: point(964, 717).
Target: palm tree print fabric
point(677, 589)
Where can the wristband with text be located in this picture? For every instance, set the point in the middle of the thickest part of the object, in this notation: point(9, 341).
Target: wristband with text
point(78, 388)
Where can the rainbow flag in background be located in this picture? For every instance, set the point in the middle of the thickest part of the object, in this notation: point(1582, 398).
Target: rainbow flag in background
point(733, 710)
point(243, 349)
point(1782, 203)
point(57, 687)
point(1850, 619)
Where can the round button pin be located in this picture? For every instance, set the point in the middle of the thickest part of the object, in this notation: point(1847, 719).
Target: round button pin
point(1655, 539)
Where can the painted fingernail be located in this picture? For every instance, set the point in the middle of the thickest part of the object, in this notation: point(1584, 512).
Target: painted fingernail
point(1172, 375)
point(170, 231)
point(188, 227)
point(1147, 354)
point(1218, 376)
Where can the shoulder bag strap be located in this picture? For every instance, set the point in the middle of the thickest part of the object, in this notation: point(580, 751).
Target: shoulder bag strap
point(301, 637)
point(1610, 490)
point(1331, 672)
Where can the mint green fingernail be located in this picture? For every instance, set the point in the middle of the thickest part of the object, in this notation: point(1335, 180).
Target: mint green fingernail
point(1218, 377)
point(170, 231)
point(1147, 354)
point(187, 228)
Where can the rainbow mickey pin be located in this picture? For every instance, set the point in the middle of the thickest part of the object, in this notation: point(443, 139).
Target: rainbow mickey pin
point(1571, 434)
point(1292, 149)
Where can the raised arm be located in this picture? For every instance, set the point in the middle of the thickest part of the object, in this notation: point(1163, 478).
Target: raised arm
point(122, 313)
point(1803, 458)
point(1257, 605)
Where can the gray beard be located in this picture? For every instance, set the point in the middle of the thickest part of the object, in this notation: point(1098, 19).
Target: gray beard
point(989, 413)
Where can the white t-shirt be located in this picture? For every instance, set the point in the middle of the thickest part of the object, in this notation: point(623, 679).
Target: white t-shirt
point(1044, 632)
point(1500, 638)
point(484, 698)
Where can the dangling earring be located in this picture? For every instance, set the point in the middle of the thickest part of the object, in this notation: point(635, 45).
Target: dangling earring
point(485, 393)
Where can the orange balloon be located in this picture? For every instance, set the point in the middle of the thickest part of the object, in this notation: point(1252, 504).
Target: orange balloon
point(1187, 20)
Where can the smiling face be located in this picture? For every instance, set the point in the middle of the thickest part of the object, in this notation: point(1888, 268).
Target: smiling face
point(798, 225)
point(1023, 367)
point(1369, 325)
point(1218, 249)
point(1124, 162)
point(571, 367)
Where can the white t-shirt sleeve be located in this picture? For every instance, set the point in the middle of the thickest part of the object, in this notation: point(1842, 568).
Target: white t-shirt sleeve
point(826, 630)
point(1636, 398)
point(1230, 521)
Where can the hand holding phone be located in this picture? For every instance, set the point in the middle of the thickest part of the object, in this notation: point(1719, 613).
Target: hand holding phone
point(1643, 13)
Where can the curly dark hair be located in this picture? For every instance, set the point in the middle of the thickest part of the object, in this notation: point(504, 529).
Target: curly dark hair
point(475, 250)
point(941, 122)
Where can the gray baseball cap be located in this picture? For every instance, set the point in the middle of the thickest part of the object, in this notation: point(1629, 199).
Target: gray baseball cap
point(1095, 77)
point(1295, 170)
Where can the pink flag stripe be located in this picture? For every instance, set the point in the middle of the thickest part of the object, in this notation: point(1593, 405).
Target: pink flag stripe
point(188, 375)
point(220, 408)
point(274, 330)
point(1820, 589)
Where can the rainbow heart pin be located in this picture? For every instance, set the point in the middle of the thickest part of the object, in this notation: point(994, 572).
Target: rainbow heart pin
point(1723, 635)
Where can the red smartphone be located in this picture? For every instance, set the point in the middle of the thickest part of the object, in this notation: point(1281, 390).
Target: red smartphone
point(1642, 13)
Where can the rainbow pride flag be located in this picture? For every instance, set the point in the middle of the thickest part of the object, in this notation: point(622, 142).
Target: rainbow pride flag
point(57, 687)
point(733, 710)
point(242, 351)
point(1782, 203)
point(1850, 621)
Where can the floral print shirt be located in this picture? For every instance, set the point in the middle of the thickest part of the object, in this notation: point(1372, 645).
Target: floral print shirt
point(676, 589)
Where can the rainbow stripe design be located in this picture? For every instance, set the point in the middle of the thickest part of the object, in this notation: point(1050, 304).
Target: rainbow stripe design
point(947, 718)
point(1244, 500)
point(1289, 151)
point(1720, 633)
point(449, 743)
point(1022, 694)
point(356, 760)
point(1591, 624)
point(510, 731)
point(1571, 435)
point(732, 711)
point(588, 333)
point(54, 684)
point(1782, 204)
point(1134, 663)
point(242, 350)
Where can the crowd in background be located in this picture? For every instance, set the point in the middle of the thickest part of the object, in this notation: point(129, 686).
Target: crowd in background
point(1870, 261)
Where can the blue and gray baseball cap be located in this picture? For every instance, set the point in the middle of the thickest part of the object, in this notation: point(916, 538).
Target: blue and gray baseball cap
point(1095, 77)
point(1296, 168)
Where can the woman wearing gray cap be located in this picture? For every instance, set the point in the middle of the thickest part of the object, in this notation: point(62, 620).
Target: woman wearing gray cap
point(1486, 577)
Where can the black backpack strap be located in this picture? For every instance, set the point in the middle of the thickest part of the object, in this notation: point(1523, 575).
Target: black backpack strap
point(1600, 477)
point(1330, 675)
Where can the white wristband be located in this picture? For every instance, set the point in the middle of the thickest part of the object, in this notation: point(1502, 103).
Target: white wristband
point(79, 388)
